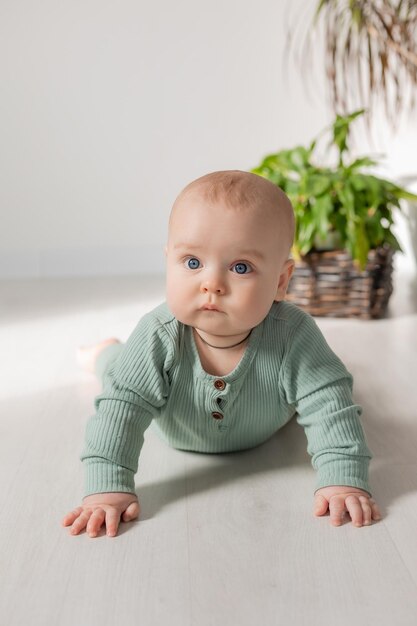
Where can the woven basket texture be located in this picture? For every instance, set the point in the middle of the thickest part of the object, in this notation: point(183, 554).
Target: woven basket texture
point(329, 284)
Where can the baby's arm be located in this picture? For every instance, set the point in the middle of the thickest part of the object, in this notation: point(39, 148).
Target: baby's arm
point(319, 387)
point(102, 508)
point(134, 388)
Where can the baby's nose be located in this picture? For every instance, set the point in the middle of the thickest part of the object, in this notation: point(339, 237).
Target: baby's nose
point(213, 284)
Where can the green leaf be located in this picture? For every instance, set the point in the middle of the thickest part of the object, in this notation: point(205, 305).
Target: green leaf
point(358, 182)
point(391, 240)
point(305, 233)
point(374, 190)
point(317, 185)
point(321, 210)
point(375, 231)
point(403, 194)
point(361, 162)
point(292, 187)
point(347, 199)
point(341, 129)
point(360, 245)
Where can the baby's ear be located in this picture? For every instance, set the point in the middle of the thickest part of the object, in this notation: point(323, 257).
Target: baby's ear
point(284, 279)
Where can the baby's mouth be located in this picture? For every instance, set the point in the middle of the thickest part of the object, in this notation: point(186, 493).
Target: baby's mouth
point(210, 307)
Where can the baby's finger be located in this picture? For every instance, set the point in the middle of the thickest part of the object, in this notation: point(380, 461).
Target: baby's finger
point(132, 512)
point(376, 513)
point(112, 521)
point(320, 505)
point(355, 510)
point(337, 510)
point(366, 510)
point(81, 522)
point(95, 522)
point(70, 517)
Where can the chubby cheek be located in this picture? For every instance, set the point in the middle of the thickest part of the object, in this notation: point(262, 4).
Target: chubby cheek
point(253, 313)
point(177, 297)
point(253, 305)
point(174, 305)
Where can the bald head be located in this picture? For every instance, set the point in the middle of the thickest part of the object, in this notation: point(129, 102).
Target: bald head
point(243, 191)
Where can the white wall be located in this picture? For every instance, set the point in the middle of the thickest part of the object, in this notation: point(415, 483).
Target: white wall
point(108, 108)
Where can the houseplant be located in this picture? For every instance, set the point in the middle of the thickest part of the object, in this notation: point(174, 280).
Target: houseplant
point(344, 218)
point(369, 52)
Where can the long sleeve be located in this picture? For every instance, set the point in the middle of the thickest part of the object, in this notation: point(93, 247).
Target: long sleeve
point(319, 386)
point(134, 389)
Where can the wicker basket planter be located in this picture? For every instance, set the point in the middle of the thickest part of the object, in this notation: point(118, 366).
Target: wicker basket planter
point(329, 284)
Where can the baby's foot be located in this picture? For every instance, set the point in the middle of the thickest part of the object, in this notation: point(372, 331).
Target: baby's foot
point(87, 355)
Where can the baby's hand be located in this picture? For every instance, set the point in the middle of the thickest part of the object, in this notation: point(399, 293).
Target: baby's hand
point(339, 500)
point(101, 508)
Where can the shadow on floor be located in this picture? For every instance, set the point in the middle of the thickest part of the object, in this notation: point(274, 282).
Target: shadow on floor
point(31, 299)
point(41, 437)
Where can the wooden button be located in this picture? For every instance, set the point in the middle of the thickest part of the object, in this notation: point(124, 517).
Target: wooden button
point(219, 384)
point(217, 415)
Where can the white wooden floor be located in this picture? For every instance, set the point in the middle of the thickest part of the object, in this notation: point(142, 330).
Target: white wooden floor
point(222, 539)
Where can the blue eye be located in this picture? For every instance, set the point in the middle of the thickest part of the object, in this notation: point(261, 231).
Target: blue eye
point(242, 268)
point(192, 264)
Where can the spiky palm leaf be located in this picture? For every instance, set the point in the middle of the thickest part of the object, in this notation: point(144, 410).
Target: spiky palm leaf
point(370, 52)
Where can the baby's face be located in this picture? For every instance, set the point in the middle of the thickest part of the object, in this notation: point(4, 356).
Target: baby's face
point(225, 266)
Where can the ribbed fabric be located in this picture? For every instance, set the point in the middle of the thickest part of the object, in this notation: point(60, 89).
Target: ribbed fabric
point(287, 369)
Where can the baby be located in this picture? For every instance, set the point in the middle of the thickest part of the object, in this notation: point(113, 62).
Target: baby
point(225, 362)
